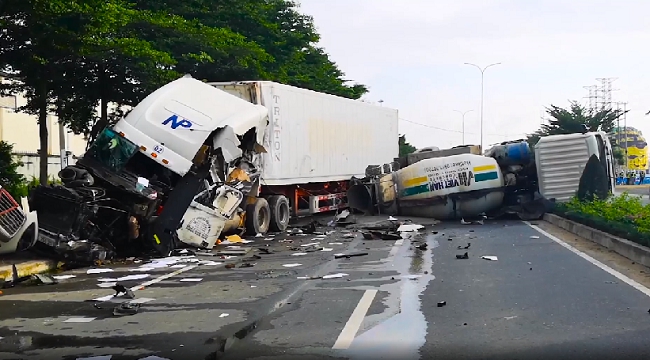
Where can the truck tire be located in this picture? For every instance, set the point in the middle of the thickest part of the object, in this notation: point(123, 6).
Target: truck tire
point(280, 213)
point(258, 217)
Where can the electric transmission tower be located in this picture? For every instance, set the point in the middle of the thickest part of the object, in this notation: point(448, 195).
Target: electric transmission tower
point(605, 92)
point(592, 98)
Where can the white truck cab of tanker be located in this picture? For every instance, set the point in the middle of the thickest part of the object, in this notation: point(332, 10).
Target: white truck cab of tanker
point(561, 159)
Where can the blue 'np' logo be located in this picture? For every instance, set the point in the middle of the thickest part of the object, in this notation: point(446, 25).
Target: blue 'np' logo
point(176, 122)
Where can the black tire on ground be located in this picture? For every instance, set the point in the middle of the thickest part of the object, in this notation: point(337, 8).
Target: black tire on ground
point(280, 213)
point(258, 217)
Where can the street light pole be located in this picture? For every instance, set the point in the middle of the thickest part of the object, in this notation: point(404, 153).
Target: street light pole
point(482, 70)
point(463, 114)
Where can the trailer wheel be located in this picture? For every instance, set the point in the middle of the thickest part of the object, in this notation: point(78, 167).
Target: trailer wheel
point(258, 217)
point(280, 213)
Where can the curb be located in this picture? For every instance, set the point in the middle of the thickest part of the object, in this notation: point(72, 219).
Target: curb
point(27, 268)
point(631, 250)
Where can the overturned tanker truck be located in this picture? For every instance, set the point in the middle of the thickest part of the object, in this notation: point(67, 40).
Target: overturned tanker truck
point(189, 164)
point(508, 178)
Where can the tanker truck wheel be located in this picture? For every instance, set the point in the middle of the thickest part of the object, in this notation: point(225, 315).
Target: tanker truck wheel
point(280, 213)
point(258, 217)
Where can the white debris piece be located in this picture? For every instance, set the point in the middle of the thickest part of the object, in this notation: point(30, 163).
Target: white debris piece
point(191, 279)
point(209, 263)
point(223, 315)
point(390, 218)
point(409, 227)
point(311, 244)
point(534, 237)
point(98, 271)
point(63, 277)
point(291, 265)
point(327, 249)
point(299, 254)
point(336, 243)
point(79, 320)
point(335, 276)
point(107, 284)
point(489, 257)
point(259, 235)
point(345, 213)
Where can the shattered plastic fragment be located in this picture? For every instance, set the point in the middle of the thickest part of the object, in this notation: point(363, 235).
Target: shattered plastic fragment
point(291, 265)
point(79, 320)
point(234, 239)
point(409, 227)
point(223, 315)
point(107, 284)
point(299, 254)
point(534, 237)
point(489, 257)
point(336, 243)
point(64, 277)
point(98, 271)
point(390, 218)
point(335, 276)
point(327, 249)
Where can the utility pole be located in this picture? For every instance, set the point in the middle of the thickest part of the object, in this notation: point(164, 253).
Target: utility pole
point(463, 114)
point(482, 70)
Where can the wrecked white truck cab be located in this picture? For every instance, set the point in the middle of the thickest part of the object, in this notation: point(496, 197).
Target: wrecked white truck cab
point(163, 173)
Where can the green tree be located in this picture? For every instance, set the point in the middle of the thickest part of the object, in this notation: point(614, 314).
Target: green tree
point(404, 147)
point(10, 178)
point(286, 37)
point(576, 119)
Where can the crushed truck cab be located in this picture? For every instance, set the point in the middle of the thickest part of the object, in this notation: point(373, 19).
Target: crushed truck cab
point(158, 176)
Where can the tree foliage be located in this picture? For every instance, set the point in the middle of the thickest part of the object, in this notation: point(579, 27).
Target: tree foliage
point(75, 57)
point(576, 119)
point(10, 179)
point(404, 147)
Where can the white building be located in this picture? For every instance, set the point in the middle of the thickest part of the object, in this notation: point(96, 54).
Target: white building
point(21, 130)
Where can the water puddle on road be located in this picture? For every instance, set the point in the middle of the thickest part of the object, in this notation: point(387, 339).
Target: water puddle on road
point(402, 335)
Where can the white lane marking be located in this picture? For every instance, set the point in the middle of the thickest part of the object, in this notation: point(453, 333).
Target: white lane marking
point(164, 277)
point(351, 327)
point(395, 247)
point(604, 267)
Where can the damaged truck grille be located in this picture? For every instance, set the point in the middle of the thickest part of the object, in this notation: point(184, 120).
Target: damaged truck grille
point(12, 217)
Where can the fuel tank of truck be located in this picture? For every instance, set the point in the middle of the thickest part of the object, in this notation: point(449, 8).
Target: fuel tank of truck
point(448, 187)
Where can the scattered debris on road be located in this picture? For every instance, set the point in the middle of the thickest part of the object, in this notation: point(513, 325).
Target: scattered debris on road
point(464, 247)
point(347, 256)
point(489, 257)
point(534, 237)
point(463, 256)
point(442, 303)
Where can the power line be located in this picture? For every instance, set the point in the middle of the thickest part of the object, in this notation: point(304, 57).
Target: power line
point(454, 131)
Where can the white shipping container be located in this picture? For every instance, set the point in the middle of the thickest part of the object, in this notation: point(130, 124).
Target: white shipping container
point(316, 137)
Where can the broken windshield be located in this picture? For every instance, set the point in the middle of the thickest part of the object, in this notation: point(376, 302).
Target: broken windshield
point(112, 150)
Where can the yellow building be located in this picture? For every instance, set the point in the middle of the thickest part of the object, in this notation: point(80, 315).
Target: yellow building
point(637, 147)
point(21, 130)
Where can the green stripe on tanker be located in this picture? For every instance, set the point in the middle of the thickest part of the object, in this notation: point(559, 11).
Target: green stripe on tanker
point(415, 190)
point(492, 175)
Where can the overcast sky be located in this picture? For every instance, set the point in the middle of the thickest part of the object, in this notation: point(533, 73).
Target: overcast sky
point(411, 53)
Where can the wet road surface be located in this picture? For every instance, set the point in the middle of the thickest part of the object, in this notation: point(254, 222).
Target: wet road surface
point(537, 300)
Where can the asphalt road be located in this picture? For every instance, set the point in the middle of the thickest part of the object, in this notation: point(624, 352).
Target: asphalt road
point(539, 299)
